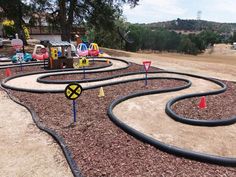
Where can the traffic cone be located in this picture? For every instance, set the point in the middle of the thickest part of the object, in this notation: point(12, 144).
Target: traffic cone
point(7, 72)
point(108, 61)
point(202, 104)
point(101, 92)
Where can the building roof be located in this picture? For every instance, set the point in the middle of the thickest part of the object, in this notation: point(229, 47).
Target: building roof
point(59, 44)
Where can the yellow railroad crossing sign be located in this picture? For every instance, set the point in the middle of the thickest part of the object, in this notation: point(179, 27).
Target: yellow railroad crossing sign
point(83, 62)
point(73, 91)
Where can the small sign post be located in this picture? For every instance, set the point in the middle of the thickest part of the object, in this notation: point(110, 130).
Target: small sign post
point(146, 65)
point(20, 57)
point(72, 92)
point(84, 62)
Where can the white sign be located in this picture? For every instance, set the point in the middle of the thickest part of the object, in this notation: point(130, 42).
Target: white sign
point(20, 57)
point(17, 43)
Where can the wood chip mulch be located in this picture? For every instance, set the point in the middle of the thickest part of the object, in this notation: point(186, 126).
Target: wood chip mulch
point(100, 148)
point(219, 107)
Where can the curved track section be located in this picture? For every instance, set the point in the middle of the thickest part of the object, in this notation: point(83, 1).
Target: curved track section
point(14, 65)
point(28, 82)
point(143, 116)
point(4, 59)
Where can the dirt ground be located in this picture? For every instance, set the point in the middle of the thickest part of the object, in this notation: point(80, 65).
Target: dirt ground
point(220, 63)
point(25, 150)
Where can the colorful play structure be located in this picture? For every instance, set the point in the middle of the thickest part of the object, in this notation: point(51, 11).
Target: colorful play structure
point(65, 60)
point(26, 58)
point(82, 50)
point(21, 56)
point(93, 49)
point(43, 52)
point(60, 54)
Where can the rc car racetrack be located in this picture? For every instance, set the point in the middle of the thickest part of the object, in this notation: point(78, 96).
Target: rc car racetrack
point(142, 113)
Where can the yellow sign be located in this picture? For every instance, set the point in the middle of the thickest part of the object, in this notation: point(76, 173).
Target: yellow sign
point(73, 91)
point(83, 62)
point(54, 53)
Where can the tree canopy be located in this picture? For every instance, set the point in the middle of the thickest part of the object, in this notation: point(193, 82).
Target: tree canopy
point(100, 14)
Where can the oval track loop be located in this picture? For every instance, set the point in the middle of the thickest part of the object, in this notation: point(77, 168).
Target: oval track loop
point(144, 114)
point(28, 82)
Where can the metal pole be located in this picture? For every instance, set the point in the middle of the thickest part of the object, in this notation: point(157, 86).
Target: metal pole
point(21, 65)
point(74, 111)
point(146, 79)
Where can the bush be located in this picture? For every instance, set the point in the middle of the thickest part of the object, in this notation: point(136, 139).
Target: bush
point(26, 31)
point(8, 26)
point(10, 30)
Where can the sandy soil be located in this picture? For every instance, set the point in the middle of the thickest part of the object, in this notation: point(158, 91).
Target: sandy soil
point(43, 155)
point(220, 63)
point(134, 107)
point(171, 63)
point(25, 150)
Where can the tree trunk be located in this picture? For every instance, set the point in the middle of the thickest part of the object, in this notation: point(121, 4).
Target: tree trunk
point(19, 22)
point(63, 20)
point(66, 24)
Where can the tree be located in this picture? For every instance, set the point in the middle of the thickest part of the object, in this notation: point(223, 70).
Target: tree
point(99, 14)
point(187, 46)
point(233, 37)
point(15, 10)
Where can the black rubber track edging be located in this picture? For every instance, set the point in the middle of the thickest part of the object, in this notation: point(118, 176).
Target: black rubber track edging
point(195, 121)
point(50, 71)
point(165, 147)
point(74, 168)
point(15, 65)
point(225, 161)
point(60, 141)
point(168, 109)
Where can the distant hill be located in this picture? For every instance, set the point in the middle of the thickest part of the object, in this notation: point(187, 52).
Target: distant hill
point(194, 25)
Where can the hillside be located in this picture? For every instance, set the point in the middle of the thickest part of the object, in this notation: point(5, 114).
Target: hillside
point(194, 25)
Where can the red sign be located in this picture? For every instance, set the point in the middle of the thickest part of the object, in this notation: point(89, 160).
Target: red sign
point(43, 50)
point(147, 65)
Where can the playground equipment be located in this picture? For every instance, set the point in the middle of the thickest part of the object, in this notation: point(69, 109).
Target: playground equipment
point(20, 56)
point(82, 50)
point(62, 59)
point(73, 51)
point(43, 52)
point(93, 49)
point(26, 58)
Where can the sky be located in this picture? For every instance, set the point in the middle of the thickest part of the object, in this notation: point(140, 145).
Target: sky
point(149, 11)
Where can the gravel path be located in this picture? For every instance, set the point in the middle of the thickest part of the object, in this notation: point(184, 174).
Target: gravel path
point(25, 150)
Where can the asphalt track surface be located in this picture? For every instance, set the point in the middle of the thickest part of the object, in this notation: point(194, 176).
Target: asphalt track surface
point(144, 115)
